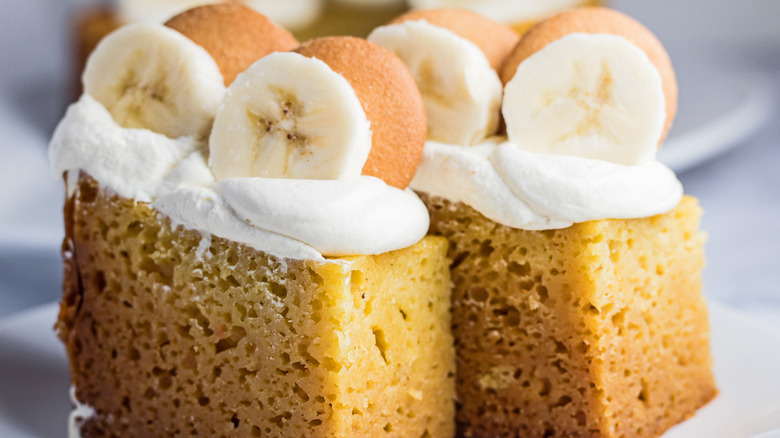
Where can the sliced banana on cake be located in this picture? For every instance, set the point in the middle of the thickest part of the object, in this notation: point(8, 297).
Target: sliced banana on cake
point(336, 108)
point(289, 116)
point(590, 82)
point(594, 96)
point(596, 21)
point(152, 77)
point(461, 91)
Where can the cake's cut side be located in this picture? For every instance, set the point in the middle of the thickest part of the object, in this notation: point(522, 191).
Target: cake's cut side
point(599, 329)
point(173, 333)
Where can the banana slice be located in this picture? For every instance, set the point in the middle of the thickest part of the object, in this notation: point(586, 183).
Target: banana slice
point(152, 77)
point(251, 35)
point(598, 20)
point(460, 89)
point(290, 116)
point(588, 95)
point(496, 40)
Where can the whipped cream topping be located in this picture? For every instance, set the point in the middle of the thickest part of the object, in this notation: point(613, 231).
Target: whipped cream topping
point(80, 414)
point(535, 191)
point(302, 219)
point(362, 214)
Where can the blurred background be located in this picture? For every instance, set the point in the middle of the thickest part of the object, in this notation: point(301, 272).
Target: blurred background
point(725, 148)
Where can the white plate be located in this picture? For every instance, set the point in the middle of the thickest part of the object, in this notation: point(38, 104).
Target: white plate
point(34, 379)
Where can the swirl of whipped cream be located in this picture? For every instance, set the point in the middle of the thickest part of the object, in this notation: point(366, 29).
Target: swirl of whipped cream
point(535, 191)
point(302, 219)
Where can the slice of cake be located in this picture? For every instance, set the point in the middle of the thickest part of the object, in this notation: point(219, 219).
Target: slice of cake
point(598, 329)
point(170, 332)
point(247, 261)
point(577, 308)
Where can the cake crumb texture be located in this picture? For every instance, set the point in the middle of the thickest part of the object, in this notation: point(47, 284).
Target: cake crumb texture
point(596, 330)
point(173, 333)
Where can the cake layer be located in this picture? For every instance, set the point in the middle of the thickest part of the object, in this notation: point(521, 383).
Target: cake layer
point(599, 329)
point(172, 333)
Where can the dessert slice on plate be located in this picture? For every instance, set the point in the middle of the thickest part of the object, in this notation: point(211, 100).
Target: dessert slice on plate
point(577, 308)
point(247, 261)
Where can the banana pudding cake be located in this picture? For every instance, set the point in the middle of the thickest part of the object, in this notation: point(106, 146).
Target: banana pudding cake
point(445, 228)
point(576, 259)
point(242, 254)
